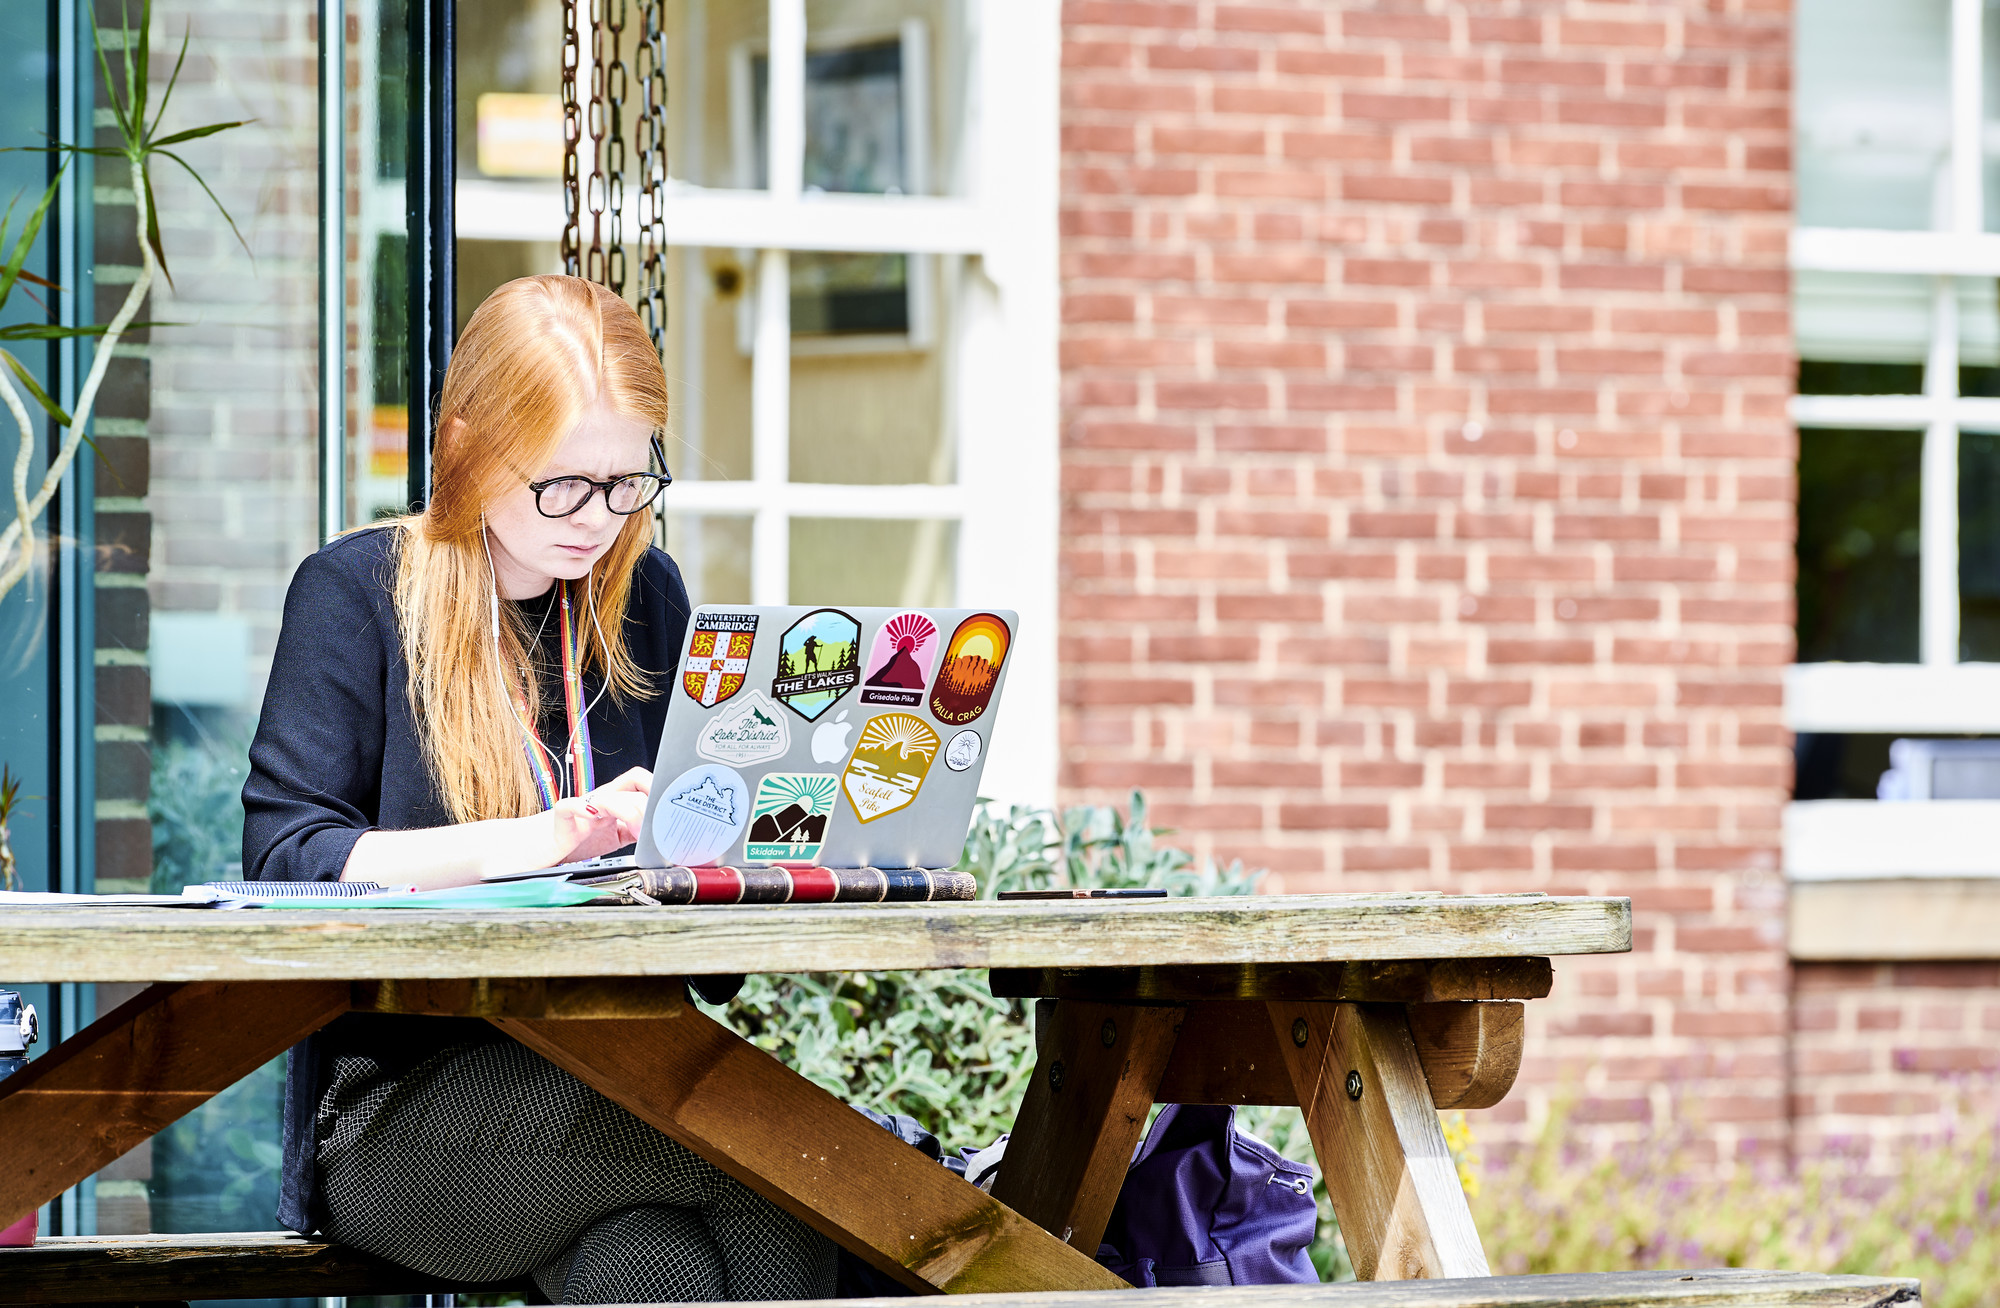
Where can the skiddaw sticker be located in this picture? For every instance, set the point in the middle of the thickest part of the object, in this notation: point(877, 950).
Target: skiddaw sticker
point(752, 730)
point(890, 762)
point(700, 815)
point(788, 822)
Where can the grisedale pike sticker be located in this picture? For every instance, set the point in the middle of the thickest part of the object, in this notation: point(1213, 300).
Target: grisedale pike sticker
point(718, 657)
point(900, 661)
point(819, 660)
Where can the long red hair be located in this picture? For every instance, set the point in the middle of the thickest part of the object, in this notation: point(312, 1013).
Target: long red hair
point(534, 357)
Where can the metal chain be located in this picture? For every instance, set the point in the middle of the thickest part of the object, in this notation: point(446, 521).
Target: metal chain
point(651, 133)
point(615, 87)
point(593, 266)
point(572, 134)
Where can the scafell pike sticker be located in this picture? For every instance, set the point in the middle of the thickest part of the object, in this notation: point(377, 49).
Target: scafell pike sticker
point(819, 660)
point(718, 657)
point(752, 730)
point(890, 762)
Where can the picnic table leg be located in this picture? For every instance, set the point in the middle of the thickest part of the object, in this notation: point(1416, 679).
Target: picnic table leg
point(1096, 1070)
point(140, 1067)
point(1375, 1128)
point(809, 1153)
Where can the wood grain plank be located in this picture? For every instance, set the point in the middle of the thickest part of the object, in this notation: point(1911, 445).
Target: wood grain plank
point(250, 1265)
point(1368, 1109)
point(1097, 1067)
point(158, 1056)
point(171, 944)
point(585, 997)
point(1722, 1288)
point(1227, 1054)
point(812, 1155)
point(1471, 1053)
point(1401, 981)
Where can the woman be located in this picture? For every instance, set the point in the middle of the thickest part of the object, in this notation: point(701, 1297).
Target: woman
point(446, 690)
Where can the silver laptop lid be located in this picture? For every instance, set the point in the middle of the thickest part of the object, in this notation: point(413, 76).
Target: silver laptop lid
point(829, 736)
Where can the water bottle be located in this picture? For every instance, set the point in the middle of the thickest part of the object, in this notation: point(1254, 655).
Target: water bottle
point(18, 1029)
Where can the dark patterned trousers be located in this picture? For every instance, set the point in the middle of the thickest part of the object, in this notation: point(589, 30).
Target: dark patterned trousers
point(485, 1162)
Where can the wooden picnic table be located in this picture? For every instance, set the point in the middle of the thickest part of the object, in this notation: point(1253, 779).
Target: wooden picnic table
point(1370, 1012)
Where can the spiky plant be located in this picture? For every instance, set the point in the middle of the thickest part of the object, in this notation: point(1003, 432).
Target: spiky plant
point(139, 143)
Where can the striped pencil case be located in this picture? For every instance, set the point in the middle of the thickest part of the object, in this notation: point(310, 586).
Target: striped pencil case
point(784, 885)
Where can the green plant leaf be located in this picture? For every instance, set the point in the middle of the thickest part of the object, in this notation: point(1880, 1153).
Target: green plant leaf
point(172, 81)
point(55, 332)
point(41, 397)
point(196, 133)
point(31, 229)
point(189, 170)
point(153, 241)
point(118, 111)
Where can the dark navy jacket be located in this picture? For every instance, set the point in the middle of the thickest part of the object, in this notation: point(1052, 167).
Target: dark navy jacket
point(337, 753)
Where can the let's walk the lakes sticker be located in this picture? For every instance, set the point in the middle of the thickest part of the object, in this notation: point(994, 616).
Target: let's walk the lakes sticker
point(752, 730)
point(700, 815)
point(819, 660)
point(788, 822)
point(718, 657)
point(972, 662)
point(900, 660)
point(890, 762)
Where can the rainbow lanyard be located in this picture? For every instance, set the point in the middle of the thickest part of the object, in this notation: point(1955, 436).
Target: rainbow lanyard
point(540, 762)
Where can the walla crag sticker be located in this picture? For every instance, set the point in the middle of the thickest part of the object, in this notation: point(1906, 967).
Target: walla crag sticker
point(819, 660)
point(890, 762)
point(972, 662)
point(788, 821)
point(718, 657)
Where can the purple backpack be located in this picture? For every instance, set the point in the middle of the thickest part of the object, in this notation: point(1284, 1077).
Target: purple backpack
point(1206, 1204)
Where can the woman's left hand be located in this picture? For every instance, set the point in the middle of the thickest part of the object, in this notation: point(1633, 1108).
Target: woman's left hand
point(625, 799)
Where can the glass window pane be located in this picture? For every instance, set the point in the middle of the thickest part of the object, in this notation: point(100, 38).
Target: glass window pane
point(378, 280)
point(869, 401)
point(709, 329)
point(1840, 377)
point(1873, 112)
point(714, 48)
point(231, 407)
point(1859, 521)
point(1979, 547)
point(884, 95)
point(1862, 316)
point(859, 561)
point(713, 552)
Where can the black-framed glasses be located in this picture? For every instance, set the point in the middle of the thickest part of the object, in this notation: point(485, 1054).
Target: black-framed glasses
point(558, 497)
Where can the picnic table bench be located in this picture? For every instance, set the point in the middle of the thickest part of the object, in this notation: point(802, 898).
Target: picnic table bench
point(1367, 1011)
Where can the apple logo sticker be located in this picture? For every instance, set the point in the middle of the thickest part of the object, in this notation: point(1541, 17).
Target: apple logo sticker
point(829, 742)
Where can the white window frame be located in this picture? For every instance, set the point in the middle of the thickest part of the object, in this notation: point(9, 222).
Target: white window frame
point(1001, 230)
point(1843, 839)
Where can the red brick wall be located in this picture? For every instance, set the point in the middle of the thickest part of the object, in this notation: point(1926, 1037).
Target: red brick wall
point(1427, 483)
point(1882, 1053)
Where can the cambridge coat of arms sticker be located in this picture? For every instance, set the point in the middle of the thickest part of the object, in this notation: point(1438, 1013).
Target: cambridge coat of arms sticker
point(718, 657)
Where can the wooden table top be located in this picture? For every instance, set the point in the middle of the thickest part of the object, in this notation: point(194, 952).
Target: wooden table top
point(181, 944)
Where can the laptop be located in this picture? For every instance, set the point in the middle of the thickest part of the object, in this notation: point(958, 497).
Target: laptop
point(819, 736)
